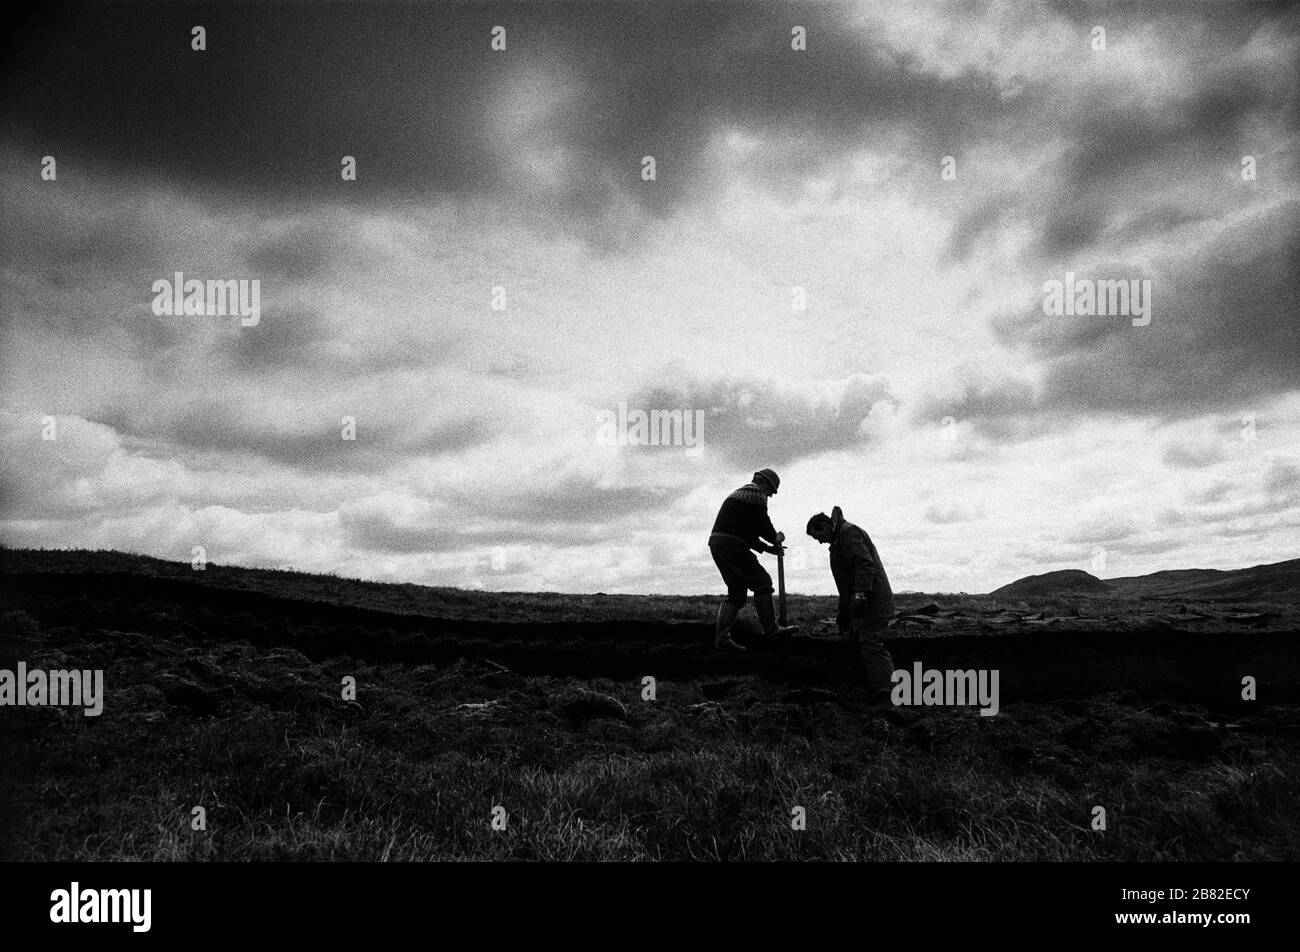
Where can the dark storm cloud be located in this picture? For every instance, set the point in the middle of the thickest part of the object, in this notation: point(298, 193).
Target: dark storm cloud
point(299, 340)
point(983, 400)
point(308, 441)
point(572, 510)
point(1120, 133)
point(291, 337)
point(1225, 503)
point(747, 421)
point(572, 499)
point(109, 240)
point(1223, 328)
point(300, 252)
point(1232, 19)
point(1072, 225)
point(1120, 146)
point(1148, 222)
point(971, 227)
point(544, 519)
point(414, 92)
point(1121, 151)
point(1003, 410)
point(378, 530)
point(282, 92)
point(69, 252)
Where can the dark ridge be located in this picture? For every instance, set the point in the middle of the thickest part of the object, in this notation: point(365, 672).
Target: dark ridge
point(1062, 662)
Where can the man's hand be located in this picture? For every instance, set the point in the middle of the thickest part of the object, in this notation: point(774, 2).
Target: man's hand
point(861, 600)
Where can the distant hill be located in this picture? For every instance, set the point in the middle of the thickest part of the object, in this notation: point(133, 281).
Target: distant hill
point(1281, 580)
point(1065, 582)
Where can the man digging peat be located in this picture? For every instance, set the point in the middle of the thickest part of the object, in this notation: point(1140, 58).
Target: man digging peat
point(742, 528)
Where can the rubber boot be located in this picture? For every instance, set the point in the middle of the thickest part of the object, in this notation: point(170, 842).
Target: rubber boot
point(767, 615)
point(727, 613)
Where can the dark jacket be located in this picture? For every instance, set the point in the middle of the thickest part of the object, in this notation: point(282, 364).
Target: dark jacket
point(744, 516)
point(856, 567)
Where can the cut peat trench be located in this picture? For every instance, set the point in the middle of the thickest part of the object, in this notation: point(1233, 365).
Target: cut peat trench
point(1041, 665)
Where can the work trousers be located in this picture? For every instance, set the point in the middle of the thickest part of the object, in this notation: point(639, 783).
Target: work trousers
point(865, 643)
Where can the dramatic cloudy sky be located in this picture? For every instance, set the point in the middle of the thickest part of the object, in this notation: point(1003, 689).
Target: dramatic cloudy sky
point(922, 388)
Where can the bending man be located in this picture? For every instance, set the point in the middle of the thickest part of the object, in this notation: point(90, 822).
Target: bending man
point(866, 600)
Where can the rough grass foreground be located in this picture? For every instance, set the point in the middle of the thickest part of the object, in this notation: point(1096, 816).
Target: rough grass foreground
point(709, 770)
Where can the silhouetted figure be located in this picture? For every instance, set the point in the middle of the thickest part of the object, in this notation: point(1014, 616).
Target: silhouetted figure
point(866, 600)
point(739, 531)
